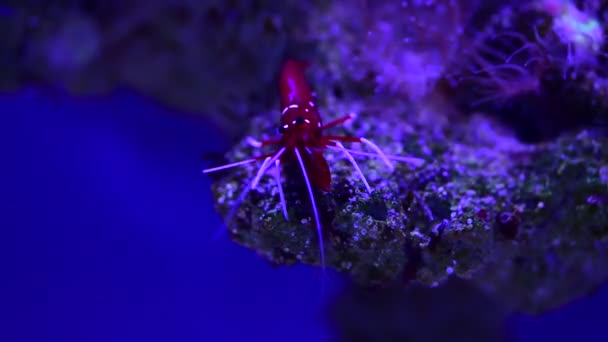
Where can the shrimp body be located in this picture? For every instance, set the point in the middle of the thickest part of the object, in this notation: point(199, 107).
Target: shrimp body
point(301, 126)
point(293, 86)
point(302, 141)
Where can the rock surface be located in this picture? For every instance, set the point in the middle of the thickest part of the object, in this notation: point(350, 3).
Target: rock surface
point(528, 223)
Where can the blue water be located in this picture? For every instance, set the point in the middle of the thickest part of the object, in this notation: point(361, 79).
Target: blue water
point(6, 11)
point(109, 225)
point(106, 236)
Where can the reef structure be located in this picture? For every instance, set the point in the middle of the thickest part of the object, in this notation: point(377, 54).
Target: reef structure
point(440, 80)
point(527, 223)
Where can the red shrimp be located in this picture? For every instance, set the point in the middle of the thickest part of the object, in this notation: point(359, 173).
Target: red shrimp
point(302, 139)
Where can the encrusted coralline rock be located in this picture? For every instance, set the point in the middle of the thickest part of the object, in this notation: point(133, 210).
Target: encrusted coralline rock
point(398, 47)
point(527, 222)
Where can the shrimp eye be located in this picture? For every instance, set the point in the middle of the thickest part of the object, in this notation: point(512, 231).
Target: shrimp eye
point(299, 120)
point(281, 129)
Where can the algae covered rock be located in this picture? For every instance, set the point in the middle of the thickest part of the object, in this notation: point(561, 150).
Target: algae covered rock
point(527, 222)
